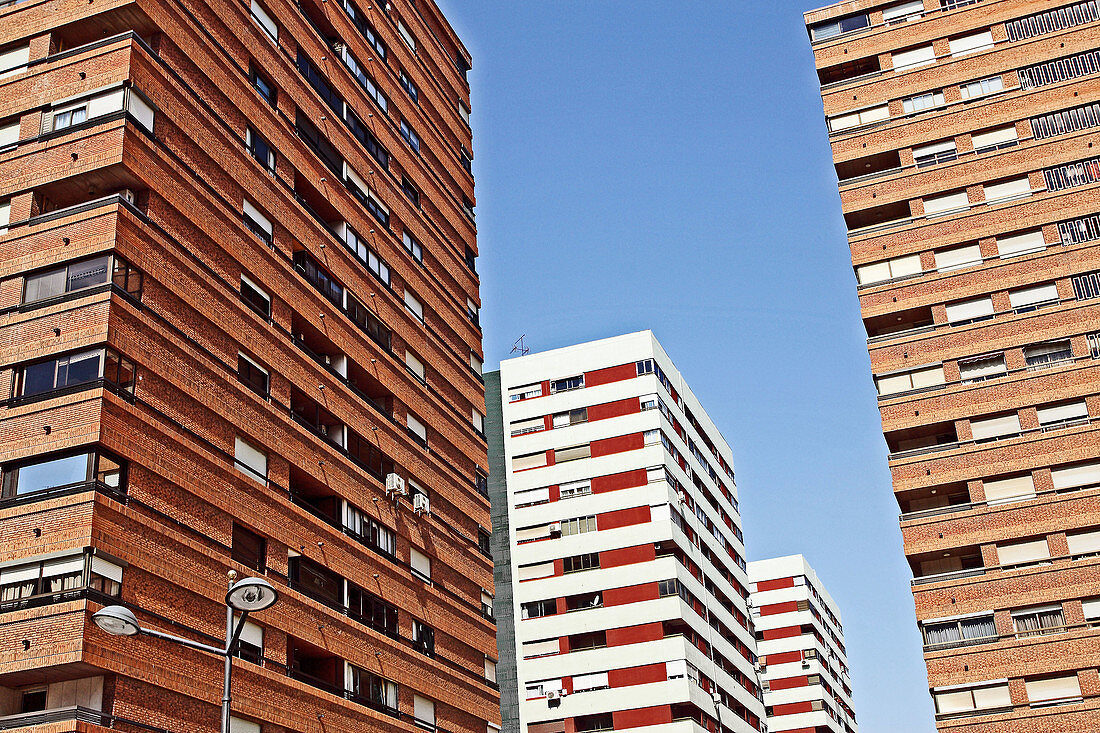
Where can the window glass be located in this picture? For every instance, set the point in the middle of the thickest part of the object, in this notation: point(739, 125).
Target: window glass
point(48, 475)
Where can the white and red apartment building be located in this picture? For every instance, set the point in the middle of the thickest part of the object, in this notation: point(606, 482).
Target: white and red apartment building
point(625, 562)
point(803, 665)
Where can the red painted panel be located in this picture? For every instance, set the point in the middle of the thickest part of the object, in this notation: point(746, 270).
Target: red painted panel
point(794, 707)
point(628, 406)
point(627, 556)
point(635, 634)
point(616, 481)
point(784, 658)
point(637, 675)
point(788, 682)
point(610, 374)
point(775, 584)
point(630, 594)
point(783, 633)
point(618, 444)
point(623, 518)
point(555, 492)
point(772, 609)
point(638, 717)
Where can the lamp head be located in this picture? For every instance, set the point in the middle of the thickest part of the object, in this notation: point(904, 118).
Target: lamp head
point(117, 621)
point(251, 594)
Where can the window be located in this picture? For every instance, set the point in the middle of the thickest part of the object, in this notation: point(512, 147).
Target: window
point(423, 712)
point(263, 85)
point(903, 12)
point(365, 28)
point(469, 257)
point(70, 117)
point(406, 36)
point(466, 158)
point(578, 525)
point(838, 26)
point(252, 375)
point(250, 460)
point(259, 149)
point(1051, 21)
point(527, 391)
point(1045, 356)
point(263, 19)
point(1021, 244)
point(1006, 190)
point(921, 102)
point(411, 191)
point(531, 425)
point(970, 311)
point(1072, 175)
point(25, 580)
point(667, 588)
point(988, 696)
point(410, 137)
point(849, 120)
point(596, 722)
point(14, 60)
point(417, 429)
point(9, 133)
point(1038, 621)
point(476, 363)
point(974, 630)
point(1053, 690)
point(414, 306)
point(1022, 553)
point(982, 368)
point(1066, 121)
point(62, 472)
point(464, 112)
point(570, 417)
point(914, 57)
point(370, 531)
point(363, 78)
point(888, 270)
point(316, 581)
point(409, 87)
point(592, 681)
point(423, 637)
point(255, 297)
point(958, 258)
point(946, 204)
point(1084, 544)
point(473, 312)
point(981, 88)
point(936, 153)
point(415, 366)
point(921, 378)
point(577, 563)
point(1087, 286)
point(564, 455)
point(529, 460)
point(372, 611)
point(250, 648)
point(249, 548)
point(651, 437)
point(994, 428)
point(970, 44)
point(995, 139)
point(484, 542)
point(564, 385)
point(412, 246)
point(1006, 490)
point(5, 216)
point(541, 648)
point(105, 366)
point(83, 274)
point(477, 420)
point(420, 564)
point(257, 223)
point(366, 254)
point(1032, 298)
point(574, 488)
point(1059, 70)
point(1094, 345)
point(371, 689)
point(1066, 414)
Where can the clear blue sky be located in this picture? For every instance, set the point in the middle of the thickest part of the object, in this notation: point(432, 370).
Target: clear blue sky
point(664, 165)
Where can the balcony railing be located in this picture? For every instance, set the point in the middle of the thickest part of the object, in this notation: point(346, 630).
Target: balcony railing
point(76, 713)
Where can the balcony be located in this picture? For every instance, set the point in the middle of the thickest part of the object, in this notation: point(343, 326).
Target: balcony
point(933, 567)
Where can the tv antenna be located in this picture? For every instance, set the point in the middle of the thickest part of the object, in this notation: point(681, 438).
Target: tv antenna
point(519, 347)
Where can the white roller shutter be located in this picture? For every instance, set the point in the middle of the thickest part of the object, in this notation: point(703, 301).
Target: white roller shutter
point(859, 117)
point(1009, 489)
point(1084, 543)
point(914, 57)
point(536, 571)
point(994, 138)
point(1063, 413)
point(953, 701)
point(490, 670)
point(63, 566)
point(420, 563)
point(424, 710)
point(594, 681)
point(948, 204)
point(970, 44)
point(970, 310)
point(257, 217)
point(532, 496)
point(415, 365)
point(930, 377)
point(953, 259)
point(905, 266)
point(107, 569)
point(876, 272)
point(19, 573)
point(541, 648)
point(925, 151)
point(1032, 296)
point(532, 460)
point(1016, 188)
point(984, 368)
point(9, 134)
point(14, 60)
point(894, 384)
point(416, 427)
point(903, 11)
point(415, 306)
point(264, 20)
point(1053, 688)
point(140, 109)
point(252, 634)
point(1073, 477)
point(1019, 244)
point(1017, 553)
point(1092, 609)
point(528, 534)
point(240, 725)
point(532, 425)
point(102, 104)
point(995, 427)
point(995, 696)
point(250, 457)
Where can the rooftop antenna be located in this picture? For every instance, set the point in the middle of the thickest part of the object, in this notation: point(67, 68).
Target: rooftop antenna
point(521, 348)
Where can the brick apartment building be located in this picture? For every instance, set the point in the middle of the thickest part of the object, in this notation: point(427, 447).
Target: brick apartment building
point(800, 639)
point(239, 330)
point(964, 134)
point(620, 559)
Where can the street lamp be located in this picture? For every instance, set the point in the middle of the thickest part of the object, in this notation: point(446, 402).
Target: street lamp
point(246, 596)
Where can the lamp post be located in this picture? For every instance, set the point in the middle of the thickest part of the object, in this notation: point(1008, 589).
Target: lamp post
point(245, 596)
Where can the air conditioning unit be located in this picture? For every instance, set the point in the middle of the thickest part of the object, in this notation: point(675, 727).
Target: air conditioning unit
point(555, 527)
point(128, 194)
point(421, 504)
point(395, 485)
point(805, 664)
